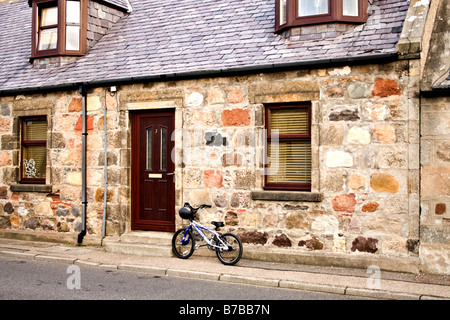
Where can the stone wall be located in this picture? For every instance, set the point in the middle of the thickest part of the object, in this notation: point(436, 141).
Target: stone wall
point(435, 189)
point(58, 208)
point(435, 144)
point(365, 158)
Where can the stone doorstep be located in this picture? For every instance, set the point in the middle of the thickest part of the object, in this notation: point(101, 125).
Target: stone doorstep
point(139, 249)
point(148, 237)
point(143, 243)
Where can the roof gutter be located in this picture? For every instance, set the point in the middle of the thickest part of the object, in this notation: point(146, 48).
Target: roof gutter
point(322, 63)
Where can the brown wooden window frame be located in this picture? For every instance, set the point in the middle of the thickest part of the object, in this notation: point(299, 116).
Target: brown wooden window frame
point(60, 50)
point(285, 138)
point(28, 143)
point(335, 14)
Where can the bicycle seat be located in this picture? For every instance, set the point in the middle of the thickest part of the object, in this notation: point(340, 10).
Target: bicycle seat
point(217, 224)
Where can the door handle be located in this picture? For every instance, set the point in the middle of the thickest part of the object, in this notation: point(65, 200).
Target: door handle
point(170, 174)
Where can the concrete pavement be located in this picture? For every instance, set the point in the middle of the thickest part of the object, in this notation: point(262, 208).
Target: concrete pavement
point(372, 283)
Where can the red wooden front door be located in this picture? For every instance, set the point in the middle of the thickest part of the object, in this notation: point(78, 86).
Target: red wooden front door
point(152, 169)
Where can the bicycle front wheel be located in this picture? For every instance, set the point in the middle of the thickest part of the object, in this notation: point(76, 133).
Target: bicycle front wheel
point(233, 254)
point(183, 244)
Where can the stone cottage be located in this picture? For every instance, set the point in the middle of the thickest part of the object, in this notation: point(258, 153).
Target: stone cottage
point(316, 130)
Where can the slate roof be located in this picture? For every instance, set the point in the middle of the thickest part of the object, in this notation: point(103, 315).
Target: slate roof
point(181, 36)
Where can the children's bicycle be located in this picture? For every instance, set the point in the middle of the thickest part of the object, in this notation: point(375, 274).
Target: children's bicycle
point(228, 247)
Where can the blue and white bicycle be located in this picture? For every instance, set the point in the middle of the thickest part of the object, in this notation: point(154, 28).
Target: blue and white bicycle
point(228, 247)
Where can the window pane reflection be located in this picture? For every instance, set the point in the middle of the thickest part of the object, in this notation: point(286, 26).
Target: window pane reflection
point(48, 39)
point(312, 7)
point(350, 8)
point(73, 12)
point(163, 148)
point(73, 38)
point(49, 16)
point(282, 12)
point(149, 149)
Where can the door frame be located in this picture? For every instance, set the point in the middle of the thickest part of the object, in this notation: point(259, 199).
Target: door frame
point(135, 170)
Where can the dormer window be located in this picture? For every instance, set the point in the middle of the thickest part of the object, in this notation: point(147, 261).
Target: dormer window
point(290, 13)
point(59, 27)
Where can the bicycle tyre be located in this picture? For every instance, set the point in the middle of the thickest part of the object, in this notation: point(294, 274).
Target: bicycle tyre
point(230, 257)
point(183, 251)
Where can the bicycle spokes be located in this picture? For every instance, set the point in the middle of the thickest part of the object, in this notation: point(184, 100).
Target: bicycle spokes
point(233, 253)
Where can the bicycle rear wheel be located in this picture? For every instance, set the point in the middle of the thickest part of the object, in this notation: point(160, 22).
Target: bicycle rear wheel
point(234, 252)
point(183, 246)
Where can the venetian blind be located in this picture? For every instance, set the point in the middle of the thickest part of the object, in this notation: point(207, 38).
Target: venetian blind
point(289, 121)
point(290, 161)
point(35, 130)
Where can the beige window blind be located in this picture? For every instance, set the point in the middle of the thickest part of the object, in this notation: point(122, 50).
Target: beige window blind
point(35, 130)
point(291, 164)
point(289, 121)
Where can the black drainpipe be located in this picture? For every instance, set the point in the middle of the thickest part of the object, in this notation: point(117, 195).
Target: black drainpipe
point(83, 165)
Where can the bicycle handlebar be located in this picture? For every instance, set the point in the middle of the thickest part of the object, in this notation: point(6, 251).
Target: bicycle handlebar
point(200, 207)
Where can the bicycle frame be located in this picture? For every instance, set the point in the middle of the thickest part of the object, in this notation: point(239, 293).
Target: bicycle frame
point(197, 226)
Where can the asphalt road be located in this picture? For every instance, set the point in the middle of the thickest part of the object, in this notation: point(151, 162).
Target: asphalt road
point(40, 280)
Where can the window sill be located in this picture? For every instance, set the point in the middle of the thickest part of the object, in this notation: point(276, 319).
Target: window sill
point(287, 196)
point(41, 188)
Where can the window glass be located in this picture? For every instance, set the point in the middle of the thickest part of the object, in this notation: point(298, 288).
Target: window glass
point(73, 13)
point(350, 8)
point(312, 7)
point(34, 161)
point(283, 12)
point(48, 39)
point(73, 18)
point(163, 164)
point(149, 148)
point(73, 38)
point(49, 16)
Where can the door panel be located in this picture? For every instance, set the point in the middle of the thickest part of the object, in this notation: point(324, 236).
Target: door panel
point(153, 190)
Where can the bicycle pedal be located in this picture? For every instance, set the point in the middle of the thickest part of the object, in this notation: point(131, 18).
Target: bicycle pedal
point(196, 246)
